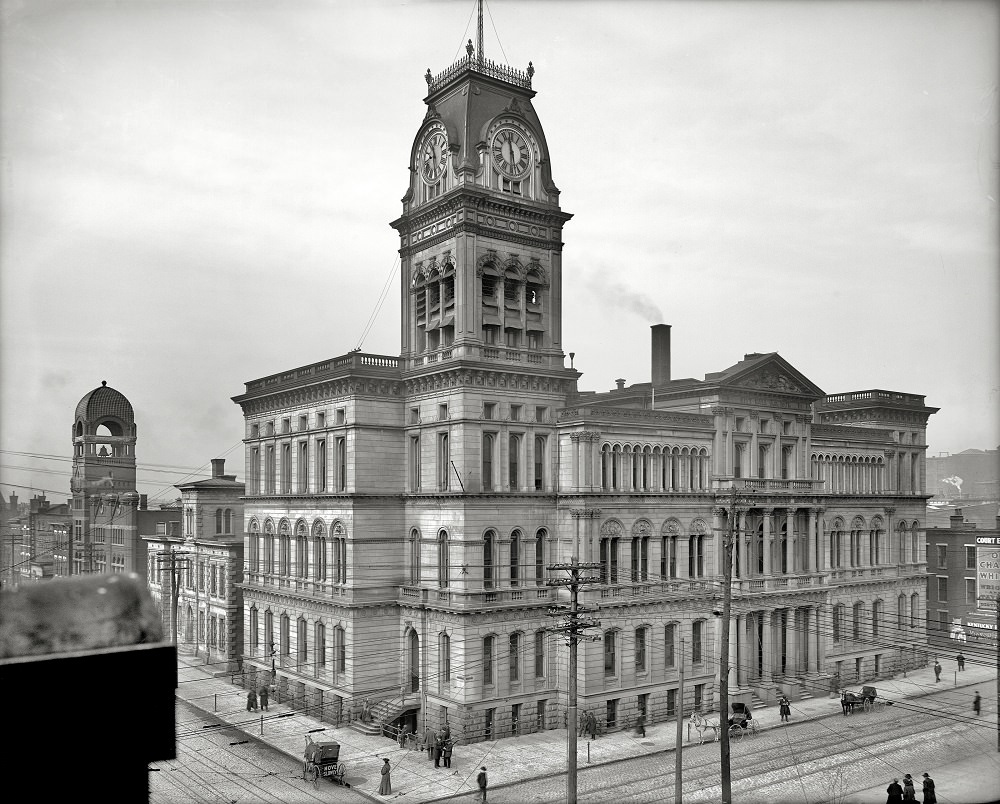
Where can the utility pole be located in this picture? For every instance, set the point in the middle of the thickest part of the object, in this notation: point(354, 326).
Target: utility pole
point(174, 582)
point(573, 627)
point(679, 742)
point(727, 595)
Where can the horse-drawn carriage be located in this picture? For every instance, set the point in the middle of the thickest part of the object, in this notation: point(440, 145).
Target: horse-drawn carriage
point(867, 698)
point(742, 721)
point(323, 760)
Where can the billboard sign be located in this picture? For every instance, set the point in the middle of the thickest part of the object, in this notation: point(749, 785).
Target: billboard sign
point(987, 572)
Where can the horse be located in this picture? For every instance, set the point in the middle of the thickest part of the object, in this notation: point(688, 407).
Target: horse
point(703, 724)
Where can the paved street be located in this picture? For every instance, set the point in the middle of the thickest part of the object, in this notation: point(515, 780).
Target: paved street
point(820, 757)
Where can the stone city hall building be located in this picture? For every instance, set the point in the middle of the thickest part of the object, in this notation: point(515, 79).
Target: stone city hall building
point(401, 512)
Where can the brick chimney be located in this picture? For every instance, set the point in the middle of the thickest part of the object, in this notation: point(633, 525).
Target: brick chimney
point(620, 382)
point(660, 372)
point(956, 519)
point(218, 467)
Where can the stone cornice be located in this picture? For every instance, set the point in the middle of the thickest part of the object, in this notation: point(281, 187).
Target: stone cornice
point(467, 376)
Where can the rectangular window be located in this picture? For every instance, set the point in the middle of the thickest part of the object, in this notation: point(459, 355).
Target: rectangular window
point(269, 469)
point(514, 461)
point(640, 650)
point(414, 463)
point(612, 713)
point(488, 441)
point(443, 412)
point(303, 467)
point(942, 555)
point(303, 423)
point(970, 591)
point(539, 654)
point(255, 470)
point(609, 653)
point(341, 458)
point(286, 425)
point(490, 720)
point(541, 413)
point(669, 642)
point(540, 715)
point(942, 588)
point(699, 696)
point(515, 413)
point(489, 410)
point(444, 462)
point(671, 703)
point(286, 468)
point(414, 415)
point(321, 419)
point(515, 719)
point(321, 465)
point(970, 557)
point(488, 660)
point(696, 642)
point(515, 657)
point(539, 463)
point(341, 415)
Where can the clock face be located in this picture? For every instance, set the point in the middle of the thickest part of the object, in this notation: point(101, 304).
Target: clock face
point(511, 155)
point(433, 156)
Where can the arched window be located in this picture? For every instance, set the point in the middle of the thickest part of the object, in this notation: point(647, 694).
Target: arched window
point(268, 547)
point(900, 611)
point(515, 558)
point(877, 608)
point(488, 543)
point(539, 463)
point(301, 551)
point(218, 520)
point(838, 621)
point(540, 653)
point(285, 636)
point(227, 520)
point(489, 644)
point(319, 552)
point(858, 618)
point(914, 609)
point(414, 557)
point(514, 462)
point(301, 641)
point(284, 551)
point(254, 557)
point(442, 558)
point(540, 557)
point(339, 650)
point(254, 631)
point(269, 646)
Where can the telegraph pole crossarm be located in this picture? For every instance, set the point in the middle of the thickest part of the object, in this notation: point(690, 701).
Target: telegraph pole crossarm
point(573, 627)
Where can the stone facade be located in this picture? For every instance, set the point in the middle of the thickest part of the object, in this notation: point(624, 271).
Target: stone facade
point(402, 512)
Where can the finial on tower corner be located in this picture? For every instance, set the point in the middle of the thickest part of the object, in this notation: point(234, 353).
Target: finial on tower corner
point(427, 76)
point(531, 69)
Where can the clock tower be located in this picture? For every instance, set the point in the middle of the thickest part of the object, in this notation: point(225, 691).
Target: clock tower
point(481, 229)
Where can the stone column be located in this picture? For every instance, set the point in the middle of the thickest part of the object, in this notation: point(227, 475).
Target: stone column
point(754, 457)
point(733, 656)
point(742, 537)
point(766, 647)
point(790, 540)
point(821, 628)
point(718, 523)
point(768, 539)
point(791, 645)
point(812, 564)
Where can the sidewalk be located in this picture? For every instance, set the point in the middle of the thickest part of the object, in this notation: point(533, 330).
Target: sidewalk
point(508, 760)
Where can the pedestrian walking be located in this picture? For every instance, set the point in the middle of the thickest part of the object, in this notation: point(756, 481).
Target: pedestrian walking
point(481, 781)
point(784, 709)
point(437, 750)
point(404, 730)
point(961, 661)
point(592, 725)
point(263, 698)
point(251, 701)
point(977, 703)
point(385, 786)
point(895, 791)
point(640, 725)
point(930, 797)
point(430, 738)
point(909, 794)
point(446, 753)
point(937, 671)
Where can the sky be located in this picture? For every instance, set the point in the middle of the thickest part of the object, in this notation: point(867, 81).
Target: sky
point(198, 194)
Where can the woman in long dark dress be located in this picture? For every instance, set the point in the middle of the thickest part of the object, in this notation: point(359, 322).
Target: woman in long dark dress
point(385, 786)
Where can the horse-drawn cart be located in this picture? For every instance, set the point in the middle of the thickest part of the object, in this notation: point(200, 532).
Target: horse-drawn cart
point(867, 698)
point(322, 760)
point(742, 721)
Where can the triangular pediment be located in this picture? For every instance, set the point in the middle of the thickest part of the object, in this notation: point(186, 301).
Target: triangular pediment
point(768, 372)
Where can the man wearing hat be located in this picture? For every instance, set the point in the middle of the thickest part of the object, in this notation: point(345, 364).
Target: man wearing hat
point(895, 791)
point(481, 781)
point(930, 797)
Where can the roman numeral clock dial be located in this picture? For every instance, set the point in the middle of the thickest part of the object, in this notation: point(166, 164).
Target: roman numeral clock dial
point(433, 156)
point(511, 154)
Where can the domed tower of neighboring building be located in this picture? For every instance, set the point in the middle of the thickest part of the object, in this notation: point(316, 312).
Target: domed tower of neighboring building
point(103, 484)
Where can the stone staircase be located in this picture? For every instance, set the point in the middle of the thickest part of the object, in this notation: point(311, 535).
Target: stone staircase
point(756, 702)
point(804, 694)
